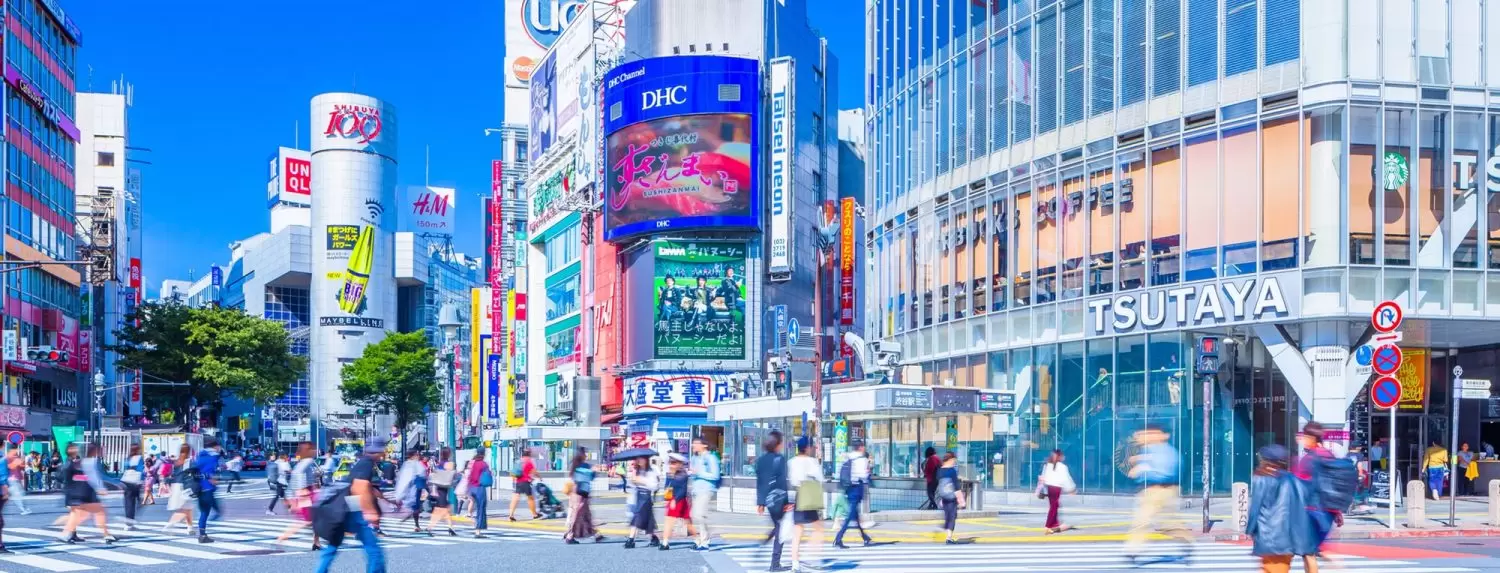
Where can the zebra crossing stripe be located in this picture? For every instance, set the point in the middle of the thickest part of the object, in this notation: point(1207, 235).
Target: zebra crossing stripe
point(121, 557)
point(217, 544)
point(177, 551)
point(47, 563)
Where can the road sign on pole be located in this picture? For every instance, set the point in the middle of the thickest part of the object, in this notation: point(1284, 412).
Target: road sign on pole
point(1387, 360)
point(1385, 392)
point(793, 333)
point(1386, 317)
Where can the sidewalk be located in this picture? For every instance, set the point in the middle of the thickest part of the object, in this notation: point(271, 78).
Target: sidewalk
point(1024, 524)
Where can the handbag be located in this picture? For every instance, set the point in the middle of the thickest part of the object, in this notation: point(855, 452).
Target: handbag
point(132, 475)
point(441, 478)
point(1041, 491)
point(810, 496)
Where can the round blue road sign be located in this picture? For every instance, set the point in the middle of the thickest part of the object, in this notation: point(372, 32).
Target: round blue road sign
point(1385, 392)
point(1363, 354)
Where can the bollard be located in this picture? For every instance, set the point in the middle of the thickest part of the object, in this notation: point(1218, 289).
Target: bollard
point(1416, 504)
point(1241, 506)
point(1494, 502)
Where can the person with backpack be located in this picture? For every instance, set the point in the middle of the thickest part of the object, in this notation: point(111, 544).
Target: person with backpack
point(1279, 523)
point(525, 476)
point(1056, 481)
point(204, 467)
point(411, 482)
point(771, 494)
point(1155, 466)
point(581, 518)
point(350, 509)
point(1331, 483)
point(130, 481)
point(951, 494)
point(441, 481)
point(480, 480)
point(705, 472)
point(854, 477)
point(278, 471)
point(303, 485)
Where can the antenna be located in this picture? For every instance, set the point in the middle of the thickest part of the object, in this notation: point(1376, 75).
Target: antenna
point(297, 134)
point(427, 168)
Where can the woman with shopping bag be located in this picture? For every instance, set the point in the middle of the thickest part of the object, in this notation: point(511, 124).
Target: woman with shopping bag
point(805, 475)
point(181, 499)
point(1056, 481)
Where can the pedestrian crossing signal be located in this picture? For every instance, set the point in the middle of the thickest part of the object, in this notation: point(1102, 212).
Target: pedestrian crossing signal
point(1207, 363)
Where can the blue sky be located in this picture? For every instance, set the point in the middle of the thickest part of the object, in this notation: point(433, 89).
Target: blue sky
point(219, 85)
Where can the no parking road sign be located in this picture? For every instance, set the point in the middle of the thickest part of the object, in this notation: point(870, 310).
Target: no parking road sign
point(1387, 360)
point(1385, 392)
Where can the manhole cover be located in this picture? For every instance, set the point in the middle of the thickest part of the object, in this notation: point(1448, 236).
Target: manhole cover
point(254, 552)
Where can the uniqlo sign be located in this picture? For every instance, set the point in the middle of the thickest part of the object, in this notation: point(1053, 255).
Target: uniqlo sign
point(296, 178)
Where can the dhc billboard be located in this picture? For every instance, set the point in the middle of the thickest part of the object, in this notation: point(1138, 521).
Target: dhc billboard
point(681, 145)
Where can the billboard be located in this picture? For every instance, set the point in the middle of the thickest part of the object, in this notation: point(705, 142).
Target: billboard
point(531, 27)
point(428, 210)
point(290, 178)
point(783, 144)
point(680, 145)
point(846, 261)
point(698, 298)
point(547, 197)
point(672, 393)
point(543, 97)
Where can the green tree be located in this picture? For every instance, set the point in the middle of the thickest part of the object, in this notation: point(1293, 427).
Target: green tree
point(212, 351)
point(394, 375)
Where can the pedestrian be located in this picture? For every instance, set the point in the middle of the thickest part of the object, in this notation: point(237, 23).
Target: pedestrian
point(644, 481)
point(525, 475)
point(581, 518)
point(1463, 484)
point(441, 483)
point(302, 482)
point(410, 483)
point(1279, 523)
point(81, 494)
point(929, 472)
point(148, 489)
point(461, 491)
point(164, 476)
point(131, 480)
point(5, 489)
point(1156, 468)
point(1436, 463)
point(678, 502)
point(16, 479)
point(1056, 480)
point(480, 480)
point(54, 472)
point(705, 474)
point(278, 474)
point(950, 493)
point(771, 496)
point(358, 487)
point(181, 496)
point(34, 471)
point(203, 469)
point(854, 477)
point(232, 469)
point(805, 474)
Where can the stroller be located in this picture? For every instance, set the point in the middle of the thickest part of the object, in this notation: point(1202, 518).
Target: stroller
point(546, 503)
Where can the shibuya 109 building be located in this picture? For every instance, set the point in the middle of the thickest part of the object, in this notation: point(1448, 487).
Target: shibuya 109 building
point(1066, 197)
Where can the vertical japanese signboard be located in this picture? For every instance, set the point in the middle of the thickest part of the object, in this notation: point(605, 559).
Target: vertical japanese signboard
point(782, 146)
point(496, 244)
point(846, 261)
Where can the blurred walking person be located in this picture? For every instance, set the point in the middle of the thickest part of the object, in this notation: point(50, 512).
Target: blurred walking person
point(1279, 522)
point(1156, 468)
point(180, 496)
point(16, 479)
point(204, 467)
point(705, 473)
point(950, 493)
point(930, 465)
point(805, 472)
point(82, 486)
point(771, 496)
point(410, 484)
point(854, 477)
point(644, 482)
point(581, 518)
point(148, 490)
point(131, 478)
point(441, 483)
point(480, 479)
point(303, 486)
point(280, 471)
point(362, 517)
point(525, 477)
point(1056, 481)
point(679, 504)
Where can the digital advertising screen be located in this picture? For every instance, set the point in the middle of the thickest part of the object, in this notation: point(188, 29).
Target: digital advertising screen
point(680, 149)
point(699, 297)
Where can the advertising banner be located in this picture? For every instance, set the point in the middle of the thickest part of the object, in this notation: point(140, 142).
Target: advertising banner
point(479, 331)
point(680, 145)
point(85, 351)
point(673, 393)
point(587, 157)
point(699, 300)
point(846, 261)
point(547, 197)
point(135, 274)
point(543, 97)
point(496, 292)
point(574, 45)
point(354, 123)
point(493, 375)
point(291, 178)
point(531, 27)
point(429, 210)
point(783, 144)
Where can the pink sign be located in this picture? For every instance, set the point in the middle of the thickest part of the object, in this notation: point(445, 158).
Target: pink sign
point(12, 416)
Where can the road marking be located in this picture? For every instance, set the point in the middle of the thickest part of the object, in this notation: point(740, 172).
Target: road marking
point(121, 557)
point(178, 551)
point(47, 563)
point(218, 545)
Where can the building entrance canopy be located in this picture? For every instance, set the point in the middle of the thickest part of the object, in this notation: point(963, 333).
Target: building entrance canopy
point(890, 401)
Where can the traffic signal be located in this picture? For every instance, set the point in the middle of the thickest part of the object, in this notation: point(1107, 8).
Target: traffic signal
point(1207, 363)
point(46, 355)
point(361, 412)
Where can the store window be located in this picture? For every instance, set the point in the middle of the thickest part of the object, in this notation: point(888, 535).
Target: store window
point(1132, 219)
point(1000, 244)
point(1072, 205)
point(1396, 175)
point(1280, 145)
point(1071, 417)
point(1432, 174)
point(980, 258)
point(1166, 215)
point(1044, 289)
point(1241, 198)
point(1098, 461)
point(1469, 185)
point(1365, 184)
point(1102, 199)
point(961, 262)
point(1025, 229)
point(1169, 393)
point(1202, 200)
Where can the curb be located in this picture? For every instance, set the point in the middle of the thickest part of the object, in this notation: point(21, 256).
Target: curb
point(1378, 534)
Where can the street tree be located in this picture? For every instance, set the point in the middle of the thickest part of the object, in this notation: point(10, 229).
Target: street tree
point(210, 351)
point(394, 375)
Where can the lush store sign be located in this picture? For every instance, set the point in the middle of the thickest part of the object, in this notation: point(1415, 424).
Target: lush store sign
point(1256, 299)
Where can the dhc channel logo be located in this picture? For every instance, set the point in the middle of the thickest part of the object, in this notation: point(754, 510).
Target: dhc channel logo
point(546, 19)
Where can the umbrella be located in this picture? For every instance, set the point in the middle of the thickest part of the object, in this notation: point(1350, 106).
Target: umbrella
point(633, 453)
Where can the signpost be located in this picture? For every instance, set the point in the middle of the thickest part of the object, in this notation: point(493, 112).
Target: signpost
point(1463, 389)
point(1385, 392)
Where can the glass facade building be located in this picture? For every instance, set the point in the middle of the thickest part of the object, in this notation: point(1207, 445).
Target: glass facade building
point(1034, 164)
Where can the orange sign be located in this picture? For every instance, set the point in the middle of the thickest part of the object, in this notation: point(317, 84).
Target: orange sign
point(522, 68)
point(1413, 378)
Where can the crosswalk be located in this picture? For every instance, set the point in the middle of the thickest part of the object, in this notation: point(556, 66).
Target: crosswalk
point(39, 549)
point(242, 492)
point(1048, 557)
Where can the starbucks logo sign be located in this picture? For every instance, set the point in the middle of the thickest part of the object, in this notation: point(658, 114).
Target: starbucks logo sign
point(1393, 165)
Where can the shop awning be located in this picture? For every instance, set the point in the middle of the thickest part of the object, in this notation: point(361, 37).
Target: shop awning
point(764, 407)
point(553, 433)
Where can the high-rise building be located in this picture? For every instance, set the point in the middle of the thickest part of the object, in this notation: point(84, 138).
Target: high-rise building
point(43, 306)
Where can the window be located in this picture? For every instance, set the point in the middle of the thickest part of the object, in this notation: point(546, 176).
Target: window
point(1202, 205)
point(1203, 41)
point(1397, 173)
point(1021, 83)
point(106, 159)
point(999, 88)
point(1102, 57)
point(1167, 62)
point(1132, 51)
point(1278, 233)
point(1166, 221)
point(1073, 89)
point(1239, 36)
point(1046, 71)
point(1283, 30)
point(1241, 197)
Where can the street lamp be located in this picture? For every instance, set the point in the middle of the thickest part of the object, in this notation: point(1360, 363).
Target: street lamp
point(449, 321)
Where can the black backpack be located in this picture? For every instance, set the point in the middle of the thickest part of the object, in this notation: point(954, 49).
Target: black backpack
point(1335, 480)
point(846, 474)
point(329, 513)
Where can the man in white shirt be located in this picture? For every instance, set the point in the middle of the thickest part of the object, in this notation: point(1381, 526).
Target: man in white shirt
point(854, 490)
point(705, 472)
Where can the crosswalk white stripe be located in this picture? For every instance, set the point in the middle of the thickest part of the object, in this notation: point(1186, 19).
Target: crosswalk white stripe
point(178, 551)
point(968, 549)
point(1247, 567)
point(218, 545)
point(47, 563)
point(121, 557)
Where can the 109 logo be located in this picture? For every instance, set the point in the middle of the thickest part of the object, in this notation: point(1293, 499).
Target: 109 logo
point(348, 121)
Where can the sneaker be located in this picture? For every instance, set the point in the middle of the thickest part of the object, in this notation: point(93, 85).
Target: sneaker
point(110, 540)
point(665, 546)
point(630, 544)
point(24, 512)
point(778, 568)
point(271, 513)
point(205, 539)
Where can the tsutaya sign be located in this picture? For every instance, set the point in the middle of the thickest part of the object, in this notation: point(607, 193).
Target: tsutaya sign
point(1177, 307)
point(1465, 165)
